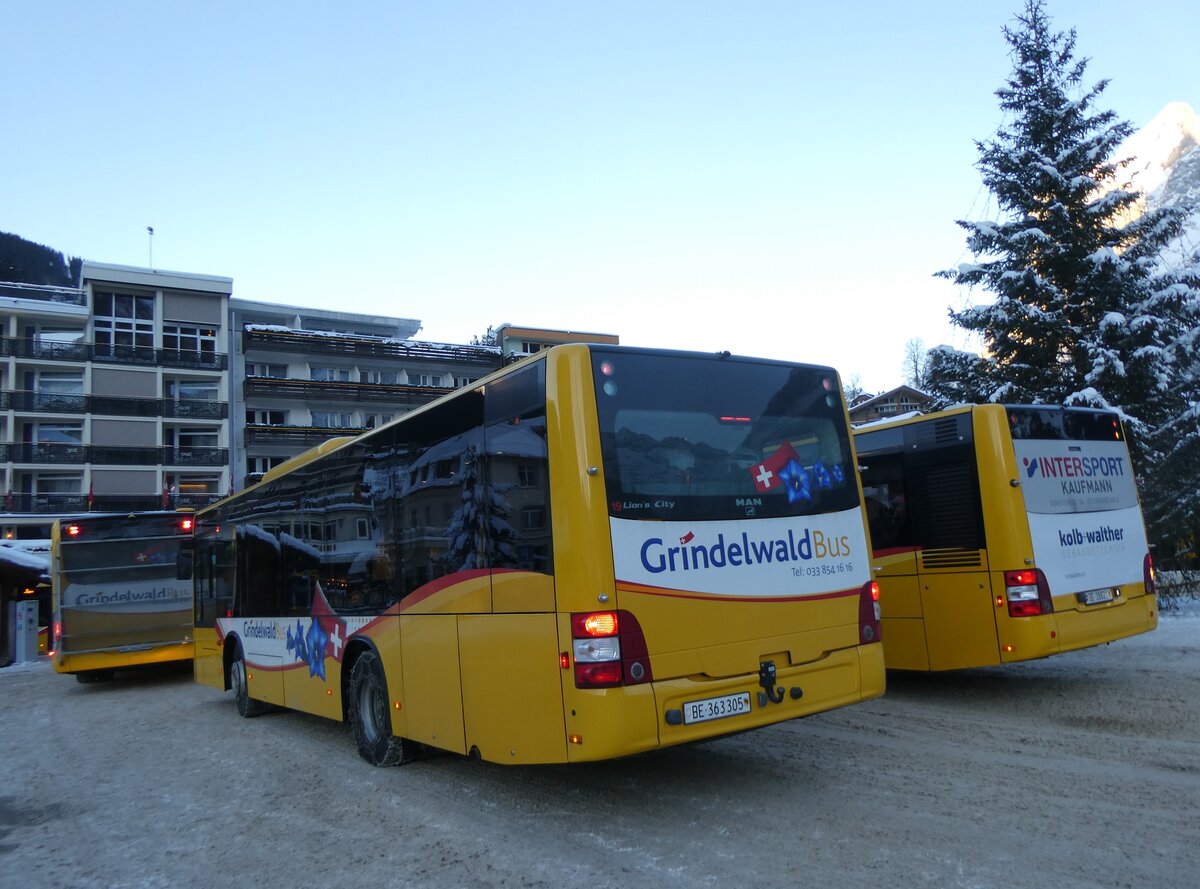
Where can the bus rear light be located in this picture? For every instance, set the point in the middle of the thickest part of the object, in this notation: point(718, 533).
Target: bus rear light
point(1027, 593)
point(869, 627)
point(609, 649)
point(1149, 578)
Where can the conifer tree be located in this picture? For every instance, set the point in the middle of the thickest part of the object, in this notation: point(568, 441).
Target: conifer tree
point(1083, 311)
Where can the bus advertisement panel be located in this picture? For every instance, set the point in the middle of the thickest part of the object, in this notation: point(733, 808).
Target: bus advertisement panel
point(1004, 533)
point(117, 599)
point(630, 549)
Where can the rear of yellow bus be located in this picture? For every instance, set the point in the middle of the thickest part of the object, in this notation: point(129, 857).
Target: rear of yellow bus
point(712, 567)
point(116, 599)
point(1075, 570)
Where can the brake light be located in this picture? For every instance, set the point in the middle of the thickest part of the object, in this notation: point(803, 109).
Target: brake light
point(55, 635)
point(1149, 578)
point(609, 649)
point(1027, 593)
point(72, 530)
point(869, 627)
point(185, 525)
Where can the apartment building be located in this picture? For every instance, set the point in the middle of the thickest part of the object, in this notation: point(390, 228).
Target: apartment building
point(114, 396)
point(306, 375)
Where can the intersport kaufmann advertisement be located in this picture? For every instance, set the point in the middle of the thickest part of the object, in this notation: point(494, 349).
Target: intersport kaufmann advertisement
point(750, 558)
point(1083, 513)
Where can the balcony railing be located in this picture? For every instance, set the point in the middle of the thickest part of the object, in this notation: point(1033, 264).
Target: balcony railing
point(114, 405)
point(45, 293)
point(369, 347)
point(403, 396)
point(69, 504)
point(108, 353)
point(51, 453)
point(305, 435)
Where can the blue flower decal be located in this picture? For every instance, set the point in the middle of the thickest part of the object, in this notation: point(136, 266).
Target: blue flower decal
point(839, 474)
point(795, 482)
point(316, 638)
point(296, 643)
point(821, 476)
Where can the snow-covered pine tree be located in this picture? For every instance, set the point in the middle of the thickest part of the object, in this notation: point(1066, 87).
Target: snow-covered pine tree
point(479, 532)
point(1083, 312)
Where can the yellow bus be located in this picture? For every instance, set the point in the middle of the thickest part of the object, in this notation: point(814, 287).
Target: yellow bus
point(117, 600)
point(591, 553)
point(1004, 533)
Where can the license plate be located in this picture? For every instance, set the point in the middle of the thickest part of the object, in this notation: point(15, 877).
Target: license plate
point(716, 708)
point(1095, 597)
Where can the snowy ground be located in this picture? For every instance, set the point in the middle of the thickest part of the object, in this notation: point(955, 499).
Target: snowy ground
point(1080, 770)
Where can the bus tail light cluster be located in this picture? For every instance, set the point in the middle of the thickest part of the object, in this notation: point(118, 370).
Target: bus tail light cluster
point(869, 627)
point(1148, 575)
point(1027, 593)
point(609, 649)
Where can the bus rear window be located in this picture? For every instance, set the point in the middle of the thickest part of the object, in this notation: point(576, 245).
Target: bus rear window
point(691, 437)
point(1063, 424)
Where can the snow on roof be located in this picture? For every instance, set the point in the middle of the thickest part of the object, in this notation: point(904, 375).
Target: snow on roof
point(20, 556)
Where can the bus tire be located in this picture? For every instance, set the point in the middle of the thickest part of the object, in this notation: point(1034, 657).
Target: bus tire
point(247, 706)
point(370, 715)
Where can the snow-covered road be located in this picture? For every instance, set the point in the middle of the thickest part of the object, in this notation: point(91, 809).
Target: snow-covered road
point(1080, 770)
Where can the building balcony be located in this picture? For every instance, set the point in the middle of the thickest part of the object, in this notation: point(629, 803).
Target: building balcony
point(106, 353)
point(325, 390)
point(71, 296)
point(294, 435)
point(69, 504)
point(56, 453)
point(308, 342)
point(113, 405)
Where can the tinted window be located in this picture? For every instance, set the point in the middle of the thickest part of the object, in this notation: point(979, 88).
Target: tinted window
point(1063, 424)
point(698, 437)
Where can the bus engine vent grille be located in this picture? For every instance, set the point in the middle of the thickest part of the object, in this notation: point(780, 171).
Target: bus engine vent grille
point(942, 432)
point(951, 558)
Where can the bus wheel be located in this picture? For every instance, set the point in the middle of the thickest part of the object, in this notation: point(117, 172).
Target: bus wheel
point(370, 713)
point(246, 705)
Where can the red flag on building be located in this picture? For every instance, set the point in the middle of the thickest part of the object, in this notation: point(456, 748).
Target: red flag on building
point(91, 496)
point(166, 496)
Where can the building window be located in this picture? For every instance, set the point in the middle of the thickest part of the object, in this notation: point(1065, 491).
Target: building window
point(122, 321)
point(421, 379)
point(373, 420)
point(272, 371)
point(362, 529)
point(459, 382)
point(49, 383)
point(330, 374)
point(58, 433)
point(331, 420)
point(379, 377)
point(189, 439)
point(266, 418)
point(527, 475)
point(191, 390)
point(187, 338)
point(533, 518)
point(260, 465)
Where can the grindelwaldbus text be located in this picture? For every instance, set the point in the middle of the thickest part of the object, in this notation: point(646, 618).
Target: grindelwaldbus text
point(591, 553)
point(117, 598)
point(1004, 533)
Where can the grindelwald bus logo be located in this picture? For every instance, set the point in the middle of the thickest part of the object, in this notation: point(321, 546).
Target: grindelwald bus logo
point(741, 550)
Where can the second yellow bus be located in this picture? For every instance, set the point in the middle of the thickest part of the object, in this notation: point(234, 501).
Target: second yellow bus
point(1004, 533)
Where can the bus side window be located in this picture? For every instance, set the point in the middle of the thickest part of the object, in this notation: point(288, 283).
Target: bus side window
point(886, 502)
point(517, 472)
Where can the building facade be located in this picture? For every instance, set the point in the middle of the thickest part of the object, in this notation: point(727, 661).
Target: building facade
point(113, 396)
point(305, 375)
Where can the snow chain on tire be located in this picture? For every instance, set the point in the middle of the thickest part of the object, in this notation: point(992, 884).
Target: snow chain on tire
point(369, 711)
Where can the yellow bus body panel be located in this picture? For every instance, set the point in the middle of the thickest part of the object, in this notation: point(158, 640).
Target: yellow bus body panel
point(209, 666)
point(432, 680)
point(116, 660)
point(513, 705)
point(264, 681)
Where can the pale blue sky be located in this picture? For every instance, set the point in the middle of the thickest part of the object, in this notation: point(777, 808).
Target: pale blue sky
point(775, 179)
